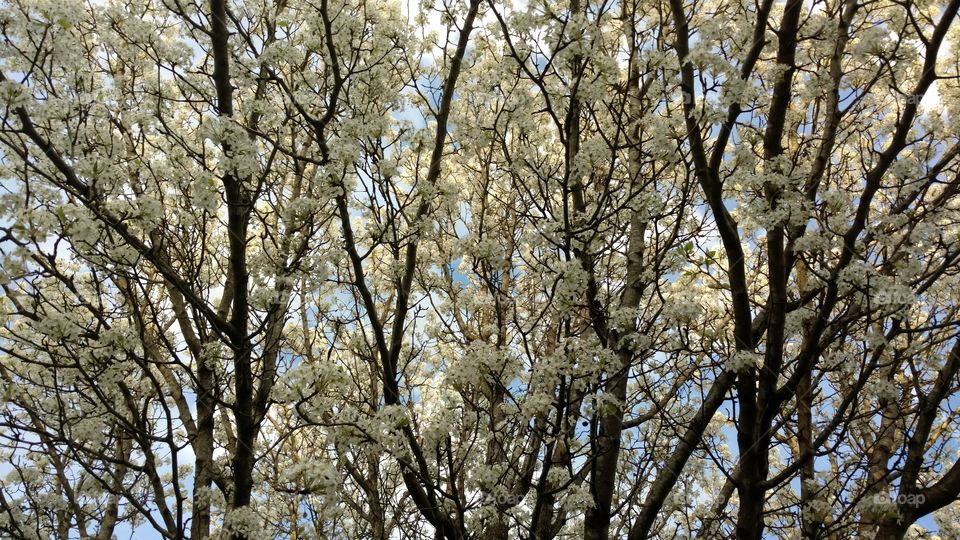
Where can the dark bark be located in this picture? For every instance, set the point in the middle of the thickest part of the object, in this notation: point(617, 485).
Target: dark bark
point(755, 391)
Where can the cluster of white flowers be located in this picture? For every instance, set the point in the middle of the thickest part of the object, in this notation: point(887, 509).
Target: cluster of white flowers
point(577, 498)
point(738, 90)
point(536, 404)
point(51, 500)
point(882, 389)
point(486, 248)
point(267, 295)
point(298, 210)
point(479, 360)
point(874, 340)
point(572, 280)
point(844, 359)
point(817, 508)
point(795, 320)
point(623, 319)
point(743, 360)
point(812, 241)
point(81, 227)
point(870, 43)
point(150, 210)
point(682, 305)
point(925, 233)
point(858, 275)
point(58, 325)
point(316, 477)
point(205, 194)
point(90, 431)
point(385, 428)
point(13, 94)
point(834, 199)
point(443, 421)
point(243, 522)
point(305, 378)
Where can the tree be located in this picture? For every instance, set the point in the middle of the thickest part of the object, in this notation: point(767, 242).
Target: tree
point(332, 269)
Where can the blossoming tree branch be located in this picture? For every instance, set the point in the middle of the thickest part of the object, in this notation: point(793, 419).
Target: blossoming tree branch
point(470, 269)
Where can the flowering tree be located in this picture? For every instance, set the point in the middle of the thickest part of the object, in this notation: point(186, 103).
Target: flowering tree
point(361, 269)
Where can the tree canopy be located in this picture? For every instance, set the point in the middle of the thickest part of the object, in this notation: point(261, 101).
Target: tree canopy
point(479, 270)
